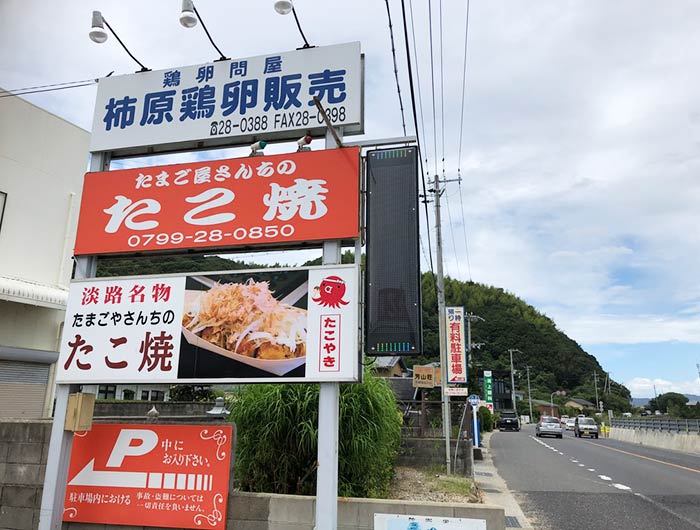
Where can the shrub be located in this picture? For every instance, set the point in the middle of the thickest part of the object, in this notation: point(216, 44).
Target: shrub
point(486, 419)
point(277, 435)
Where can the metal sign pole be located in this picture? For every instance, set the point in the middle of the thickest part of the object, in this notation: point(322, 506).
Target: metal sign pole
point(60, 443)
point(328, 419)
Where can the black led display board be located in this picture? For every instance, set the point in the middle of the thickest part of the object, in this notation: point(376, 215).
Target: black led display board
point(393, 312)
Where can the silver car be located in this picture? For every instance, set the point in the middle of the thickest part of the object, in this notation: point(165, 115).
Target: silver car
point(549, 425)
point(585, 427)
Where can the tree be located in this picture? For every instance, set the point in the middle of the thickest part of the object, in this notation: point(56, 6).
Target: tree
point(200, 393)
point(670, 399)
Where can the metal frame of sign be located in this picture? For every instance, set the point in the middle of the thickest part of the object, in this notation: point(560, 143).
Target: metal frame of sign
point(158, 328)
point(52, 500)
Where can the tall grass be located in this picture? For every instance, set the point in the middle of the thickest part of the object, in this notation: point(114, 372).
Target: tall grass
point(277, 433)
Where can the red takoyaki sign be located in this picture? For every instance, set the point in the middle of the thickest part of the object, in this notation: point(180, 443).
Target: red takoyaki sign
point(277, 200)
point(290, 325)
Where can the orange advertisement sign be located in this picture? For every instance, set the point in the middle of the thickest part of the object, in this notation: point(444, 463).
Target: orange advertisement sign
point(277, 200)
point(174, 476)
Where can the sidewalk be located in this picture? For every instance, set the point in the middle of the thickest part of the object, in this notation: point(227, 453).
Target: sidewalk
point(494, 488)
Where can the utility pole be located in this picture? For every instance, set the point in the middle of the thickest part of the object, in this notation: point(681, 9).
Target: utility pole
point(595, 383)
point(529, 395)
point(446, 421)
point(471, 317)
point(512, 378)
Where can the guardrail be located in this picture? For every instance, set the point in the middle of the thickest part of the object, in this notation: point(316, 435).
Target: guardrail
point(658, 424)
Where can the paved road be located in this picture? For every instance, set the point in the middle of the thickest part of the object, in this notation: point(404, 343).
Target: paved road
point(582, 484)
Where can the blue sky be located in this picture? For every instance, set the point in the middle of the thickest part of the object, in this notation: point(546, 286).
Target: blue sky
point(577, 140)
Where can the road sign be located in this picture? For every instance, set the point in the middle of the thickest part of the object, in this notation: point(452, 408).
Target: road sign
point(456, 363)
point(473, 400)
point(384, 521)
point(424, 376)
point(456, 391)
point(488, 387)
point(174, 476)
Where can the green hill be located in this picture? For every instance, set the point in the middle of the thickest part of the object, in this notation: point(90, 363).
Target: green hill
point(556, 361)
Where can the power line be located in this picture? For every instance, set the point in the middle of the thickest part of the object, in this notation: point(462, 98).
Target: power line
point(464, 89)
point(461, 130)
point(47, 88)
point(464, 231)
point(432, 81)
point(442, 140)
point(415, 120)
point(396, 70)
point(442, 96)
point(420, 95)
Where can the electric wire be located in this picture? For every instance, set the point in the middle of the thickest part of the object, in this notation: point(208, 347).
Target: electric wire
point(461, 131)
point(46, 88)
point(442, 138)
point(415, 121)
point(418, 84)
point(396, 70)
point(432, 84)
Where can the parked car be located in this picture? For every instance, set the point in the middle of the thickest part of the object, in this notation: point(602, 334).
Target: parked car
point(549, 425)
point(570, 423)
point(508, 420)
point(586, 427)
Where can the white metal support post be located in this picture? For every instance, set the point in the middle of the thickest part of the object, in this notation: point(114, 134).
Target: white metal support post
point(328, 418)
point(446, 421)
point(61, 441)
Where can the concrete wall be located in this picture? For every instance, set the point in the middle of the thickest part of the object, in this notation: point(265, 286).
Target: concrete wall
point(23, 451)
point(685, 443)
point(24, 447)
point(430, 453)
point(257, 511)
point(140, 408)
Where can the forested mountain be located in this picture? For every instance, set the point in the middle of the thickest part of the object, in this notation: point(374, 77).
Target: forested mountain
point(556, 362)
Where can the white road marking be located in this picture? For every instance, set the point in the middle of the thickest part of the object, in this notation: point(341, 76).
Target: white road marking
point(591, 469)
point(621, 487)
point(580, 465)
point(603, 477)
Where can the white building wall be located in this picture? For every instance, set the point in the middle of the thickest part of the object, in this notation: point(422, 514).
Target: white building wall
point(42, 163)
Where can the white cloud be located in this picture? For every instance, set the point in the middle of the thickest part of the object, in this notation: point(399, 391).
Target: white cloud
point(629, 329)
point(645, 387)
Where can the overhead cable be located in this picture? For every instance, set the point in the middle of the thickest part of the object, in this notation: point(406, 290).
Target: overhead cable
point(396, 70)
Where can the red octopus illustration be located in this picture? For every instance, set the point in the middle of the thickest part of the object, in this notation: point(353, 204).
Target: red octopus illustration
point(330, 293)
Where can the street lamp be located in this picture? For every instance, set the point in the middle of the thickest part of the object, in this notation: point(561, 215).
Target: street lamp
point(284, 7)
point(188, 18)
point(551, 400)
point(99, 35)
